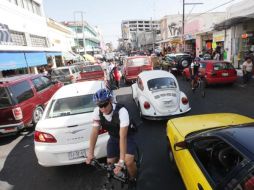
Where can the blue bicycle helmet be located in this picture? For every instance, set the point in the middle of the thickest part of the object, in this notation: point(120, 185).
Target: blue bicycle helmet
point(102, 96)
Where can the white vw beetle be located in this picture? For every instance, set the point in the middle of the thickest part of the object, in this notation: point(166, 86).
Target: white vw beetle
point(158, 96)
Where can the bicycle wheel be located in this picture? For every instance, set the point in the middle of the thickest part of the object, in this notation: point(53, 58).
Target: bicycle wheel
point(202, 87)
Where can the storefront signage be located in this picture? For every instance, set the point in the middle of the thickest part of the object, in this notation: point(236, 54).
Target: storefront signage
point(5, 37)
point(244, 36)
point(218, 37)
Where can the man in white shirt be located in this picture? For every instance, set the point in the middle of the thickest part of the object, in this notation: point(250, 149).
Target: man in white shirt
point(247, 70)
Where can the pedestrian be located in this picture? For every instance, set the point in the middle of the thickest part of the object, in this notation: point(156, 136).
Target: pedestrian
point(247, 70)
point(216, 56)
point(116, 75)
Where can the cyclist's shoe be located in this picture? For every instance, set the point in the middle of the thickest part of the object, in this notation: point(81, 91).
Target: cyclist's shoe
point(132, 184)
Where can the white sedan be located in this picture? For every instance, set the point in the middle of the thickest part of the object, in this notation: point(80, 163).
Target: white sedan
point(62, 135)
point(158, 96)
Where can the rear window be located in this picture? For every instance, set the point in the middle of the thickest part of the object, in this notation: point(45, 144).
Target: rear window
point(4, 98)
point(222, 66)
point(202, 65)
point(137, 62)
point(92, 69)
point(161, 83)
point(71, 106)
point(61, 72)
point(21, 91)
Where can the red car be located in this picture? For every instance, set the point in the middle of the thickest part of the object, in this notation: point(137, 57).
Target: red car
point(22, 100)
point(92, 72)
point(215, 72)
point(135, 65)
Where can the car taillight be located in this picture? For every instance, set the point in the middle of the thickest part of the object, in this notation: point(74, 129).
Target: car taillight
point(17, 113)
point(44, 137)
point(102, 131)
point(146, 105)
point(185, 100)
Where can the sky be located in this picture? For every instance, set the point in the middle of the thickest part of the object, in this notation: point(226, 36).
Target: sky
point(108, 14)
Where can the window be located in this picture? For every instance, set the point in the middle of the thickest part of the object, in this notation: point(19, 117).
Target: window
point(21, 91)
point(222, 66)
point(38, 41)
point(60, 72)
point(71, 106)
point(36, 8)
point(4, 98)
point(161, 83)
point(38, 84)
point(73, 70)
point(217, 157)
point(18, 38)
point(138, 62)
point(140, 84)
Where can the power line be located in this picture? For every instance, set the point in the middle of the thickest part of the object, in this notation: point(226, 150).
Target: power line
point(213, 9)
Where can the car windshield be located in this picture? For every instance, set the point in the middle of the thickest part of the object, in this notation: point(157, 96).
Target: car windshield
point(92, 69)
point(4, 98)
point(71, 106)
point(161, 83)
point(222, 66)
point(138, 62)
point(61, 72)
point(202, 65)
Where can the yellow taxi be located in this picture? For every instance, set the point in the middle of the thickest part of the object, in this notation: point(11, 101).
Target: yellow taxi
point(213, 151)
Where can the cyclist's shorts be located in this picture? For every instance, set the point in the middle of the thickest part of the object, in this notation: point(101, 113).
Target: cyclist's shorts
point(113, 149)
point(193, 76)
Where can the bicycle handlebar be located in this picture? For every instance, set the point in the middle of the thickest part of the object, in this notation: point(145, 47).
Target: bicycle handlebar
point(109, 168)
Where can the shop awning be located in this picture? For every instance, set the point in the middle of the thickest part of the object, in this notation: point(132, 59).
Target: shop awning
point(36, 58)
point(231, 22)
point(53, 53)
point(10, 61)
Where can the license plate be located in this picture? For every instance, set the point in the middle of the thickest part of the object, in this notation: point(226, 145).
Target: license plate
point(76, 154)
point(224, 74)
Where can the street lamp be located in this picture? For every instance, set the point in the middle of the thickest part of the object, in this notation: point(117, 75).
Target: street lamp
point(184, 21)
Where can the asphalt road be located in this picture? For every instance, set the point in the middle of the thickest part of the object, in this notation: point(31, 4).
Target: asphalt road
point(19, 169)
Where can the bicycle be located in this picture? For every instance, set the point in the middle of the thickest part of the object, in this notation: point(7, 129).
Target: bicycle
point(199, 84)
point(122, 177)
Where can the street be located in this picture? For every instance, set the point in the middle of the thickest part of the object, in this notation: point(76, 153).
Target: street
point(19, 169)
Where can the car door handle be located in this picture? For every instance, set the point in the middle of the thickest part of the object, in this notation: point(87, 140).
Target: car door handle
point(200, 187)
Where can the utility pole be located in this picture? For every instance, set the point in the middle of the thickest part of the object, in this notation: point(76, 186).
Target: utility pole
point(183, 42)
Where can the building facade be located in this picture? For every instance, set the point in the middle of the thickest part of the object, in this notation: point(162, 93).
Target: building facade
point(238, 29)
point(140, 34)
point(87, 38)
point(24, 43)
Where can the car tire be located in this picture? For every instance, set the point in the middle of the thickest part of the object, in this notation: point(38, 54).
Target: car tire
point(37, 114)
point(183, 63)
point(139, 110)
point(172, 160)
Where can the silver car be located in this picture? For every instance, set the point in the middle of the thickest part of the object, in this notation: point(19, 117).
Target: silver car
point(67, 74)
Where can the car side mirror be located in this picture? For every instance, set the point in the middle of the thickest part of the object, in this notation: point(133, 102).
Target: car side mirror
point(180, 145)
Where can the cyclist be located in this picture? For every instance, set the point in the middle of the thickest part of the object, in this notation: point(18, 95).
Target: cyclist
point(194, 69)
point(115, 119)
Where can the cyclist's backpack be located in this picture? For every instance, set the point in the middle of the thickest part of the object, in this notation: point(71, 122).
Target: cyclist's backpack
point(134, 124)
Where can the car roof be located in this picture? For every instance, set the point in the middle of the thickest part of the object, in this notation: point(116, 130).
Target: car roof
point(138, 56)
point(65, 67)
point(13, 79)
point(241, 134)
point(79, 88)
point(213, 61)
point(148, 75)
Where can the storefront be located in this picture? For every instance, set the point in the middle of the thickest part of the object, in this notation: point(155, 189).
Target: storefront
point(247, 45)
point(190, 44)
